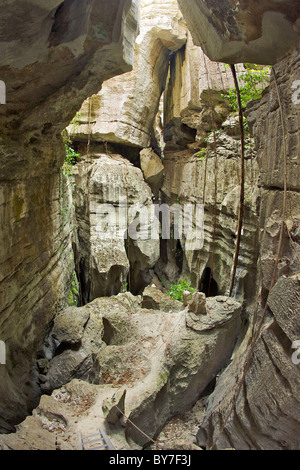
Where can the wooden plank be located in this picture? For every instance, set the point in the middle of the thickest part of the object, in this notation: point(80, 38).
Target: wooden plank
point(100, 447)
point(107, 441)
point(102, 440)
point(93, 442)
point(90, 436)
point(80, 443)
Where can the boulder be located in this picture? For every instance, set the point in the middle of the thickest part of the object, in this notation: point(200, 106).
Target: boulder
point(79, 333)
point(153, 170)
point(186, 297)
point(69, 325)
point(154, 299)
point(197, 305)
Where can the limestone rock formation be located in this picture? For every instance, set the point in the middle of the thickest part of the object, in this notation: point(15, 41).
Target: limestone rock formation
point(52, 425)
point(266, 414)
point(243, 32)
point(124, 110)
point(195, 85)
point(153, 170)
point(78, 335)
point(108, 193)
point(197, 304)
point(185, 173)
point(53, 56)
point(154, 299)
point(154, 363)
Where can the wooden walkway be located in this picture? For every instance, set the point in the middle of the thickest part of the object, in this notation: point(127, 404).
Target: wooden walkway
point(97, 441)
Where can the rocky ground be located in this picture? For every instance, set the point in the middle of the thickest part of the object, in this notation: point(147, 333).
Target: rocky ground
point(130, 364)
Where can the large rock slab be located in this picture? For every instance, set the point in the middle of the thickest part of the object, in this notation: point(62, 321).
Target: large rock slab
point(78, 335)
point(109, 191)
point(259, 33)
point(154, 299)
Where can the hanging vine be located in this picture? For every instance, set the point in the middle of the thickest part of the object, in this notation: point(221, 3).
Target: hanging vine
point(242, 190)
point(214, 126)
point(89, 126)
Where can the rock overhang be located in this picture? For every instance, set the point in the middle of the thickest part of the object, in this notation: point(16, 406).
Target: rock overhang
point(246, 31)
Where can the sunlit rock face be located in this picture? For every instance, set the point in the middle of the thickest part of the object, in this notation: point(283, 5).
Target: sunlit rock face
point(195, 85)
point(245, 31)
point(53, 55)
point(108, 194)
point(124, 110)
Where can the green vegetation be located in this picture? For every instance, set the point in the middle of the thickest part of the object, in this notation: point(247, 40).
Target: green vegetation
point(201, 155)
point(71, 156)
point(176, 290)
point(252, 84)
point(65, 179)
point(73, 293)
point(76, 119)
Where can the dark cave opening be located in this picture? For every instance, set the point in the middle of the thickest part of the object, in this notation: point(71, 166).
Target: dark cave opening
point(178, 254)
point(207, 284)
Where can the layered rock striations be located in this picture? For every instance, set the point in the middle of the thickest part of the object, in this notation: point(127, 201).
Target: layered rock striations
point(265, 415)
point(185, 173)
point(56, 224)
point(111, 256)
point(53, 56)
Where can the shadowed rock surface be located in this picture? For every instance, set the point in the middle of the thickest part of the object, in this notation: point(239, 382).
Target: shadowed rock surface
point(53, 56)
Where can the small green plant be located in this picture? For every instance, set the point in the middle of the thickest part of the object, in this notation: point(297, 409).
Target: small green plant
point(73, 293)
point(176, 290)
point(201, 155)
point(252, 83)
point(124, 286)
point(70, 160)
point(76, 119)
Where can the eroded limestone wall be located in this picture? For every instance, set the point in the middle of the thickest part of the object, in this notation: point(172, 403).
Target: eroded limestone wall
point(53, 56)
point(266, 415)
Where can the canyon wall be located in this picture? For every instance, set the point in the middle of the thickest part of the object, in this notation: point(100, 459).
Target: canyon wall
point(167, 107)
point(266, 413)
point(53, 56)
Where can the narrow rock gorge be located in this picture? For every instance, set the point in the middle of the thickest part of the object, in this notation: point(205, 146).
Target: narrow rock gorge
point(117, 117)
